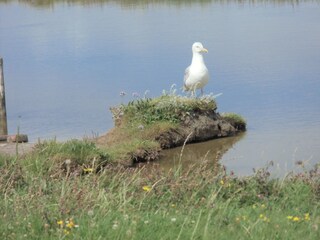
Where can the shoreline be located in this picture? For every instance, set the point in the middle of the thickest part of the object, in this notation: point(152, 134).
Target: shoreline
point(11, 149)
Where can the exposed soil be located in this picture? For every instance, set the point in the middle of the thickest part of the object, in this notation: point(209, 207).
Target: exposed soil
point(198, 128)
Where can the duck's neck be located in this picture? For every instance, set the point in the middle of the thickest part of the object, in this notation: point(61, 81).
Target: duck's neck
point(197, 58)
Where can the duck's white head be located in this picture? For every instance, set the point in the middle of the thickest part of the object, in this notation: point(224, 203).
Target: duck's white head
point(197, 47)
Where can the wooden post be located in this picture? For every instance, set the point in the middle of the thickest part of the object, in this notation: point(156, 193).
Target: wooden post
point(3, 111)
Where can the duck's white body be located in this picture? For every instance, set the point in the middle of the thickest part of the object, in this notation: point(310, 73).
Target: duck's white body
point(196, 75)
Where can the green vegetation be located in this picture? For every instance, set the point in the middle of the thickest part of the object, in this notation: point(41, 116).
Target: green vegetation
point(41, 198)
point(82, 152)
point(236, 120)
point(74, 154)
point(170, 108)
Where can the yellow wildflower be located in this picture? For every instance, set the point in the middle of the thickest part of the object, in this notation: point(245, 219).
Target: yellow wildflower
point(88, 170)
point(307, 217)
point(296, 219)
point(146, 188)
point(60, 223)
point(70, 224)
point(290, 217)
point(221, 182)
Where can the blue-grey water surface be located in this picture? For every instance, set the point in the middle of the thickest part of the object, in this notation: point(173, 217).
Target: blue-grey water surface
point(66, 63)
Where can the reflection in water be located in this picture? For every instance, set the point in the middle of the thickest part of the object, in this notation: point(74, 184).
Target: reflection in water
point(137, 3)
point(190, 154)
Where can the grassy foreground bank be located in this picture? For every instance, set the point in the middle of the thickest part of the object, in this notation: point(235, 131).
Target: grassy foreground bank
point(71, 191)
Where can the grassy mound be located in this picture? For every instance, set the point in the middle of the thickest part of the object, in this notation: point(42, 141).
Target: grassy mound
point(235, 120)
point(169, 108)
point(139, 122)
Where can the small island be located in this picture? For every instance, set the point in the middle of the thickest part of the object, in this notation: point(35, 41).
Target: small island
point(144, 127)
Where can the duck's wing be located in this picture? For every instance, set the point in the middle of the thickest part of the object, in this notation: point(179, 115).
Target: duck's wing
point(186, 76)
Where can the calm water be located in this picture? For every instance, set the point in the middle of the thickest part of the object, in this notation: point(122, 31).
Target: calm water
point(66, 63)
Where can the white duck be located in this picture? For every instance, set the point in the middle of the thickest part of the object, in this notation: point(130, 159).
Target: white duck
point(196, 75)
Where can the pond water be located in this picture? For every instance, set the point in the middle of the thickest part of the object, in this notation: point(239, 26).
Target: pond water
point(65, 63)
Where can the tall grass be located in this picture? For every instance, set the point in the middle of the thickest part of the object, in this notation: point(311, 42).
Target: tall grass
point(41, 198)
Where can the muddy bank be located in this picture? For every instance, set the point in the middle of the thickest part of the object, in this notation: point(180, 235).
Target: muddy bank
point(199, 127)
